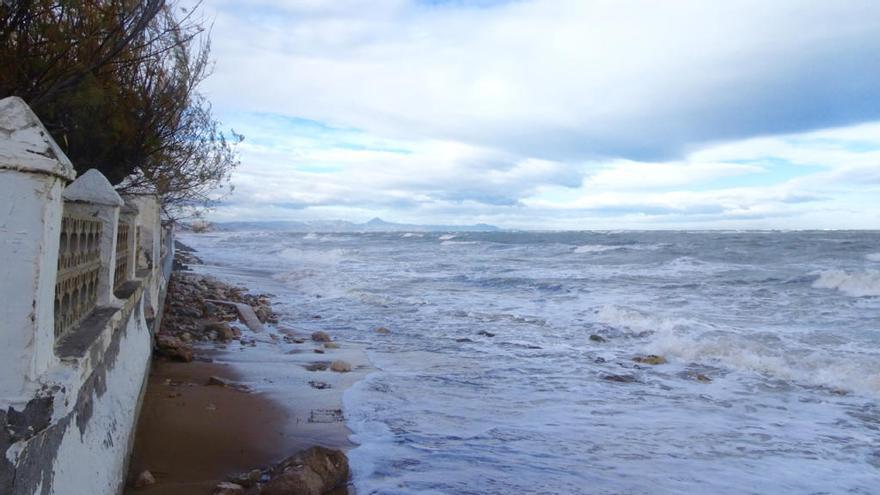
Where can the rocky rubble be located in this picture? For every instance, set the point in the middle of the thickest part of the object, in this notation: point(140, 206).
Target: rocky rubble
point(190, 318)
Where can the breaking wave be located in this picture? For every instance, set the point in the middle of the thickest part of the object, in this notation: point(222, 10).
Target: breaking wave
point(856, 284)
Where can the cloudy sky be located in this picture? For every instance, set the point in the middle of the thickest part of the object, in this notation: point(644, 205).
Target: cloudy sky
point(553, 114)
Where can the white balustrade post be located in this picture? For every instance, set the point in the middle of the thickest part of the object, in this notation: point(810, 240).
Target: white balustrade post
point(129, 216)
point(33, 172)
point(92, 195)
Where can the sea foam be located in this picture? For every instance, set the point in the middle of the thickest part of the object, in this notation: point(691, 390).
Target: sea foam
point(856, 284)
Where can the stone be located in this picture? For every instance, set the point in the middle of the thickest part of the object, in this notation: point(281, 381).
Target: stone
point(319, 385)
point(318, 351)
point(217, 381)
point(222, 330)
point(144, 480)
point(465, 339)
point(314, 471)
point(227, 488)
point(620, 378)
point(331, 345)
point(173, 348)
point(321, 336)
point(485, 333)
point(702, 378)
point(651, 359)
point(340, 366)
point(383, 331)
point(598, 338)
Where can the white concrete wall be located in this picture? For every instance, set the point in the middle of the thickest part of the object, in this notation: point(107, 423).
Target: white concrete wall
point(92, 461)
point(68, 407)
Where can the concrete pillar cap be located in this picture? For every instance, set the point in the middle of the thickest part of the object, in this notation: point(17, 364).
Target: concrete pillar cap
point(26, 145)
point(93, 187)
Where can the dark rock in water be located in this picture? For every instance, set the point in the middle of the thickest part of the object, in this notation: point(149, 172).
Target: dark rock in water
point(227, 488)
point(247, 480)
point(598, 338)
point(331, 345)
point(651, 359)
point(319, 385)
point(315, 471)
point(318, 351)
point(620, 378)
point(485, 333)
point(599, 360)
point(464, 340)
point(320, 336)
point(383, 331)
point(173, 348)
point(222, 330)
point(319, 366)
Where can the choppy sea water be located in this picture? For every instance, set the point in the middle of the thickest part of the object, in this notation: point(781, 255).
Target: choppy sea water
point(785, 325)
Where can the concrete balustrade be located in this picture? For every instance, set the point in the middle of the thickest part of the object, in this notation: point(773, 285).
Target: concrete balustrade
point(76, 280)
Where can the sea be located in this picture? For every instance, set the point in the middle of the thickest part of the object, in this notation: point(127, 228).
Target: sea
point(509, 363)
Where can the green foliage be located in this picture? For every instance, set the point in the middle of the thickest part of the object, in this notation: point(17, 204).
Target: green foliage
point(115, 81)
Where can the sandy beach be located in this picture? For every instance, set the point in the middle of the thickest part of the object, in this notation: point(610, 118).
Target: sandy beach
point(242, 403)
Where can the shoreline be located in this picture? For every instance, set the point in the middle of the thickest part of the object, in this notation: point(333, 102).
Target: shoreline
point(244, 401)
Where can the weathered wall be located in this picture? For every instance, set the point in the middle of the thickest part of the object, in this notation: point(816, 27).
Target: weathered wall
point(70, 394)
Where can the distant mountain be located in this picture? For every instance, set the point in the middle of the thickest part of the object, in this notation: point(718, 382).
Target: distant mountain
point(374, 225)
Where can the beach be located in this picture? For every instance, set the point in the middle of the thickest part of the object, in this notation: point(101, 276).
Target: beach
point(237, 403)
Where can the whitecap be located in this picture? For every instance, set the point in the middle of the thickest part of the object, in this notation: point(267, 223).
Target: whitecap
point(446, 237)
point(873, 257)
point(856, 284)
point(595, 248)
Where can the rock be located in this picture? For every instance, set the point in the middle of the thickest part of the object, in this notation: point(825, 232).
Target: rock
point(485, 333)
point(227, 488)
point(319, 366)
point(297, 340)
point(620, 378)
point(383, 331)
point(210, 310)
point(186, 337)
point(315, 471)
point(217, 381)
point(173, 348)
point(598, 338)
point(318, 351)
point(651, 359)
point(331, 345)
point(702, 378)
point(340, 366)
point(222, 330)
point(320, 336)
point(464, 340)
point(144, 479)
point(319, 385)
point(599, 360)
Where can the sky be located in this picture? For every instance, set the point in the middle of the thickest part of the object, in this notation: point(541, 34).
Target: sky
point(563, 114)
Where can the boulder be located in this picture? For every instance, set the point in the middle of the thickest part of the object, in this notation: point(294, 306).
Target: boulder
point(321, 336)
point(651, 359)
point(173, 348)
point(340, 366)
point(598, 338)
point(314, 471)
point(383, 331)
point(227, 488)
point(485, 333)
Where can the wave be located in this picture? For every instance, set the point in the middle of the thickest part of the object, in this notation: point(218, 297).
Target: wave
point(457, 243)
point(873, 257)
point(773, 359)
point(856, 284)
point(595, 248)
point(630, 319)
point(311, 236)
point(446, 237)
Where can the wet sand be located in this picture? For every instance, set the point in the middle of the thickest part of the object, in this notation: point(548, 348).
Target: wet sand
point(192, 436)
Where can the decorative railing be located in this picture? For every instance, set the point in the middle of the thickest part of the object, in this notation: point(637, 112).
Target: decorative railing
point(79, 261)
point(121, 274)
